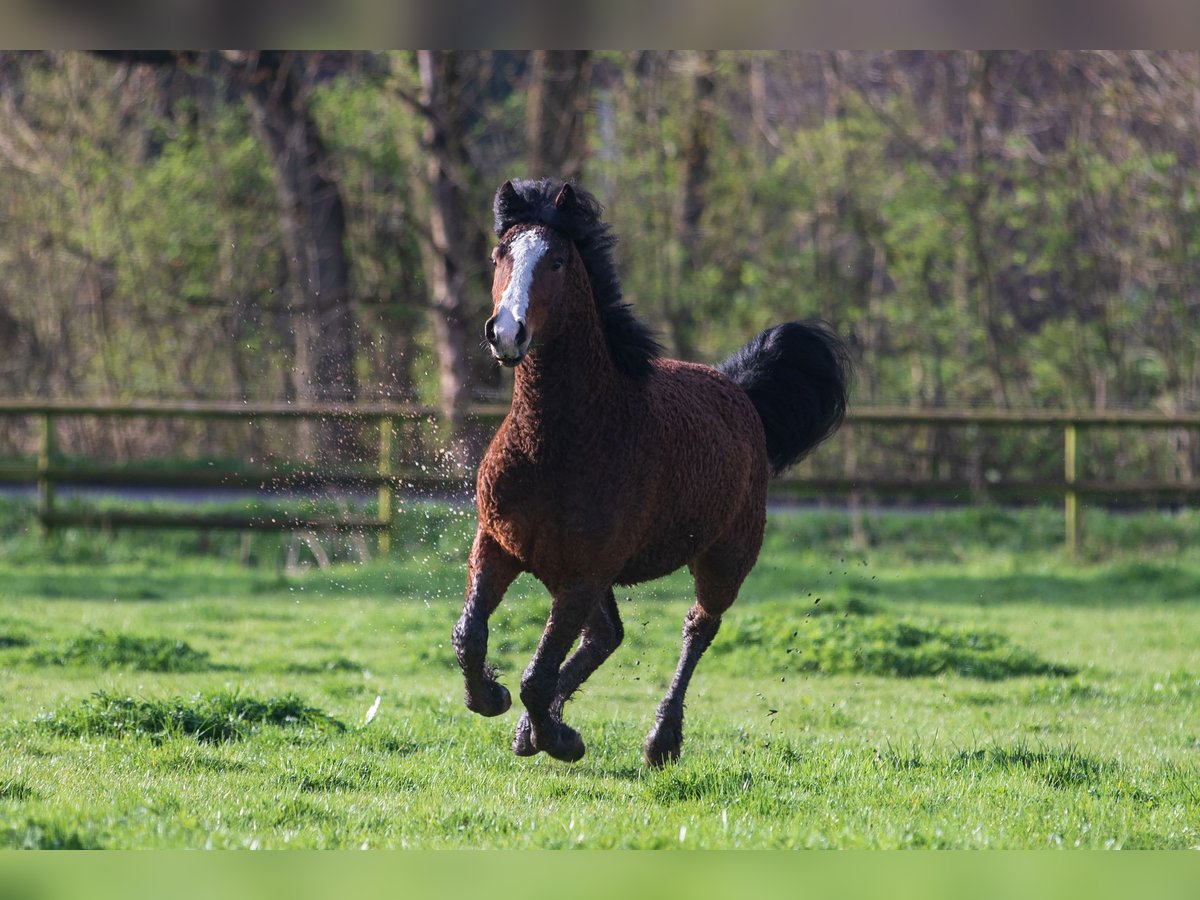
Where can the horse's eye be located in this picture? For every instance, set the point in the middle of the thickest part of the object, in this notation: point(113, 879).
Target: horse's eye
point(556, 264)
point(496, 254)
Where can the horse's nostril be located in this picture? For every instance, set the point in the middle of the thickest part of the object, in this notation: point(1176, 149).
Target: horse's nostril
point(520, 333)
point(489, 330)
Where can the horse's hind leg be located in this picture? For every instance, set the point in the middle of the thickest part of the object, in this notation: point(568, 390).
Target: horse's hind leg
point(540, 683)
point(666, 737)
point(491, 570)
point(718, 578)
point(602, 634)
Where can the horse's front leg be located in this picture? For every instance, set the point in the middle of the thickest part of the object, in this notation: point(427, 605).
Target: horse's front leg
point(491, 570)
point(540, 683)
point(602, 634)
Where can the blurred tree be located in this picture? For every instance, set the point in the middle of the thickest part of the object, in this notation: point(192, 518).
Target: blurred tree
point(277, 89)
point(373, 139)
point(557, 103)
point(456, 250)
point(1011, 227)
point(699, 68)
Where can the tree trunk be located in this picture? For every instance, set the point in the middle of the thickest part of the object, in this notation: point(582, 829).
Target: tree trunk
point(312, 221)
point(456, 250)
point(313, 226)
point(557, 107)
point(696, 173)
point(975, 202)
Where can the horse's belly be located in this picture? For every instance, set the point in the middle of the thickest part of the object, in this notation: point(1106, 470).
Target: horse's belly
point(644, 569)
point(664, 554)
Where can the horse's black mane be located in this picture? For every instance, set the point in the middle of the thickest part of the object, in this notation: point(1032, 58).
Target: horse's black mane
point(631, 343)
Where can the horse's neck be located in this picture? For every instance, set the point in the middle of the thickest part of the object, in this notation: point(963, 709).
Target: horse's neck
point(568, 385)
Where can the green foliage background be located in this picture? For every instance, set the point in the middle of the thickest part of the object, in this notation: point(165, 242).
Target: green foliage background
point(1015, 229)
point(142, 243)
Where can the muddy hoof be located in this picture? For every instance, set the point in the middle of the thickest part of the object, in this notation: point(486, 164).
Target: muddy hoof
point(491, 699)
point(522, 743)
point(662, 746)
point(566, 744)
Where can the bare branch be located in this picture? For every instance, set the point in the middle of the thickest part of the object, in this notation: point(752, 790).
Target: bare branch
point(23, 149)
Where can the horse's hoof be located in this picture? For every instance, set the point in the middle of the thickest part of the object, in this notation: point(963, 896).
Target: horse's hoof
point(567, 745)
point(662, 746)
point(492, 699)
point(522, 743)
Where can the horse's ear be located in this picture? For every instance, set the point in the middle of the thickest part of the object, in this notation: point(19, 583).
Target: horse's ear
point(565, 198)
point(506, 206)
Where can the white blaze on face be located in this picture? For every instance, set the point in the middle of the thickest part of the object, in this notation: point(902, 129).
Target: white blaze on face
point(526, 249)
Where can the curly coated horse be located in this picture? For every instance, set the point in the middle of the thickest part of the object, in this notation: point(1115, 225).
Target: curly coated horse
point(615, 466)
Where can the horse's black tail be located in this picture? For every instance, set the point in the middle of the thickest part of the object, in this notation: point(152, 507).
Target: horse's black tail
point(797, 376)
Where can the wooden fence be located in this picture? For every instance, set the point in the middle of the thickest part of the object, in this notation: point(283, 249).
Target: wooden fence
point(387, 476)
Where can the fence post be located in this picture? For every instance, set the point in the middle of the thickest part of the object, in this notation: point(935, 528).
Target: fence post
point(386, 494)
point(1071, 500)
point(46, 454)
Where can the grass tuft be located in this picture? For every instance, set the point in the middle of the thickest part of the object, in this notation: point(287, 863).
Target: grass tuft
point(49, 835)
point(15, 789)
point(860, 642)
point(1067, 692)
point(1057, 767)
point(709, 784)
point(882, 646)
point(107, 650)
point(223, 716)
point(342, 775)
point(334, 664)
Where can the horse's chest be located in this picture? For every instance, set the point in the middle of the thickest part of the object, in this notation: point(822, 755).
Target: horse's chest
point(550, 524)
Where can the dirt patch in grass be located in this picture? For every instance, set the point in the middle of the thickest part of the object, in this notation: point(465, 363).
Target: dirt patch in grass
point(223, 716)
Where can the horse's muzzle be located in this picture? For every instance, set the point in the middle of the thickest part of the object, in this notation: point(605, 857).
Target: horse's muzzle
point(508, 345)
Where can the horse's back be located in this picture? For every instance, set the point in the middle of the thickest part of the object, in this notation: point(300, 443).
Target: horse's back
point(708, 432)
point(706, 448)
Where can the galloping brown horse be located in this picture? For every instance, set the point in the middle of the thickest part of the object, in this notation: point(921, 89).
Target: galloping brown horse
point(615, 466)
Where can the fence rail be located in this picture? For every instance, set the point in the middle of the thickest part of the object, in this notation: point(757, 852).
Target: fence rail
point(51, 470)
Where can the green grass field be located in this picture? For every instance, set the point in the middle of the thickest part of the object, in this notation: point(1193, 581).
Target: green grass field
point(959, 683)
